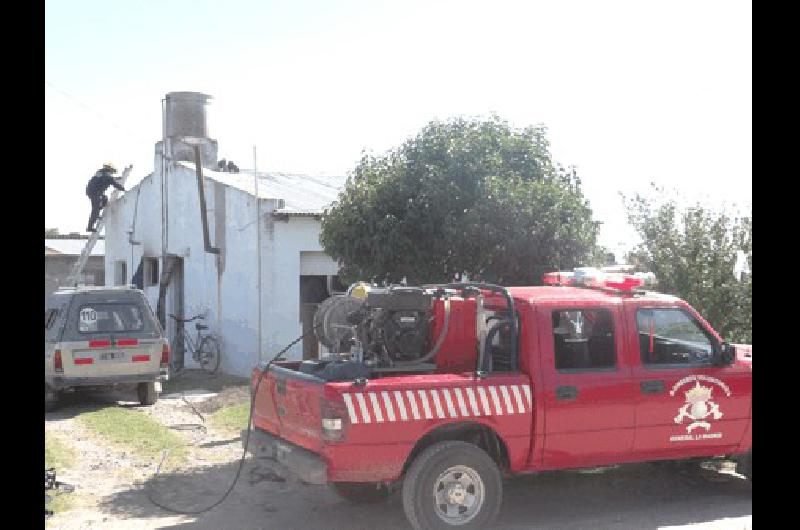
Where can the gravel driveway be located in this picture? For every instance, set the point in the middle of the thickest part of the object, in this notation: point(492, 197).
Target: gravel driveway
point(113, 489)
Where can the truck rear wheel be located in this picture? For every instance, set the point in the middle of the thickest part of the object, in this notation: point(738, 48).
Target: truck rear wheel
point(362, 493)
point(452, 484)
point(147, 393)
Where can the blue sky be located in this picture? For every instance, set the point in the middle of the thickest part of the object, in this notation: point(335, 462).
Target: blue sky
point(631, 92)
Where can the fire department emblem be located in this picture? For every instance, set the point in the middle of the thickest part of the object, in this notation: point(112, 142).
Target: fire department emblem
point(699, 408)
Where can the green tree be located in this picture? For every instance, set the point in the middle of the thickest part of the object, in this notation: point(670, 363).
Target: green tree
point(462, 196)
point(692, 250)
point(50, 232)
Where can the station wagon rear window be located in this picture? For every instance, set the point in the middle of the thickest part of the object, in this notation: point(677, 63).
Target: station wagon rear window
point(110, 318)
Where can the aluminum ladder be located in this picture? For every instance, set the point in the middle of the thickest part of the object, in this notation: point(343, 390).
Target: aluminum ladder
point(77, 268)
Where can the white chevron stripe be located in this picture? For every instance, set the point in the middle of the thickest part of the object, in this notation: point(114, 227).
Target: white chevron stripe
point(507, 399)
point(376, 408)
point(398, 397)
point(496, 400)
point(462, 406)
point(450, 408)
point(413, 403)
point(350, 409)
point(387, 401)
point(364, 409)
point(423, 397)
point(437, 404)
point(527, 390)
point(518, 397)
point(472, 402)
point(484, 401)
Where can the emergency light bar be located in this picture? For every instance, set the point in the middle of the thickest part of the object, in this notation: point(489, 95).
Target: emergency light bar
point(595, 278)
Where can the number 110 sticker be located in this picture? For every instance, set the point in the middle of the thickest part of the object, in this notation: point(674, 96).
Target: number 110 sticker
point(88, 315)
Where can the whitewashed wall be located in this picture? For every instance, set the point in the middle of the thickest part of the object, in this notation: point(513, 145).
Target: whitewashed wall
point(226, 285)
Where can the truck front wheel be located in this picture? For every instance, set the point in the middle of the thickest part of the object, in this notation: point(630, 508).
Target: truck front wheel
point(452, 484)
point(362, 493)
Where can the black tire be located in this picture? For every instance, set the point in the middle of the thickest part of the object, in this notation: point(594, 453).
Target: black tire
point(50, 399)
point(361, 492)
point(209, 354)
point(147, 393)
point(420, 486)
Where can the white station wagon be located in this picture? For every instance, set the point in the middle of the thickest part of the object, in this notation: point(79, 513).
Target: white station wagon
point(101, 336)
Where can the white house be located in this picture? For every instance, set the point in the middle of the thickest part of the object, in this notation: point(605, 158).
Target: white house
point(248, 261)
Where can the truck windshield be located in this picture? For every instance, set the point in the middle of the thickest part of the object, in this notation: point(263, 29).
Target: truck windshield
point(110, 318)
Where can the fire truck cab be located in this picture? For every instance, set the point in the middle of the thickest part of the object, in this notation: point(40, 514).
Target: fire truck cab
point(449, 388)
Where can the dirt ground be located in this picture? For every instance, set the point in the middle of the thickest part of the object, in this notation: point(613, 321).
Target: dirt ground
point(112, 490)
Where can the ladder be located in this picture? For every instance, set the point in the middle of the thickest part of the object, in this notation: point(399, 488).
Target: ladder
point(77, 268)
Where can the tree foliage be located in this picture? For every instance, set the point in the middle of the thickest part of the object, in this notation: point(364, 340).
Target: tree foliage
point(693, 250)
point(462, 196)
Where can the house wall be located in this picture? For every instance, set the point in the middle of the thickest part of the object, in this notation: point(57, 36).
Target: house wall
point(58, 266)
point(225, 286)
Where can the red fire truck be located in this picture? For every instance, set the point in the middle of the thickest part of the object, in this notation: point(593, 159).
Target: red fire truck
point(441, 391)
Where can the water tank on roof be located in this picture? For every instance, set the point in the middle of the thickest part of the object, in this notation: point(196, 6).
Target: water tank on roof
point(185, 114)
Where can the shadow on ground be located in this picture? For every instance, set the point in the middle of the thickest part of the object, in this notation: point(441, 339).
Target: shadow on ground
point(634, 496)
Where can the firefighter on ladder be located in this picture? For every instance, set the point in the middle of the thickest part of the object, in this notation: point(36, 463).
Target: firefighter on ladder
point(96, 189)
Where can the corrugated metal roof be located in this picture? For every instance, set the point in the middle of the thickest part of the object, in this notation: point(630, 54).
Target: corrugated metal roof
point(303, 194)
point(73, 247)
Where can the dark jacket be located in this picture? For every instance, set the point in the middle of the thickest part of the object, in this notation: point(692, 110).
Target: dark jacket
point(100, 182)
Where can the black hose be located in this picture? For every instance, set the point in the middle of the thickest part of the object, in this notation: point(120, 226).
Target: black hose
point(246, 441)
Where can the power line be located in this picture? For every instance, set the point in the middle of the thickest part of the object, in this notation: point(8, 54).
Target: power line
point(97, 113)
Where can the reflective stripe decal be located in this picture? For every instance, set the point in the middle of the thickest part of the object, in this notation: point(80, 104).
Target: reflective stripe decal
point(527, 391)
point(423, 397)
point(461, 405)
point(400, 405)
point(376, 408)
point(437, 404)
point(350, 409)
point(387, 401)
point(442, 404)
point(485, 402)
point(450, 408)
point(364, 408)
point(413, 403)
point(507, 399)
point(518, 397)
point(496, 400)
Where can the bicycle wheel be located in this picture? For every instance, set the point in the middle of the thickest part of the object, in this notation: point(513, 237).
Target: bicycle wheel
point(209, 354)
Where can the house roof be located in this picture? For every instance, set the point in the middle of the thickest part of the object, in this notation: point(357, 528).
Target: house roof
point(72, 247)
point(302, 194)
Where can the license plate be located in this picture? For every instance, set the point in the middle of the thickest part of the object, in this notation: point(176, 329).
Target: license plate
point(112, 356)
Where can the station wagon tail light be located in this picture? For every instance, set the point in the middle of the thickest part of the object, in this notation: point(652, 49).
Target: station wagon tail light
point(165, 354)
point(57, 360)
point(333, 420)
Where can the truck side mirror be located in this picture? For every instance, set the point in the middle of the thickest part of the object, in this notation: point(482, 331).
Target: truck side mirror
point(726, 354)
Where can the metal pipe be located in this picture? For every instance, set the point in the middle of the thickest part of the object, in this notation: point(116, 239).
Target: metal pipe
point(258, 249)
point(201, 192)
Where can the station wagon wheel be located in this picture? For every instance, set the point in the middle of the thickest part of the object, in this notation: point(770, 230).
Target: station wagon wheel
point(50, 398)
point(209, 354)
point(452, 484)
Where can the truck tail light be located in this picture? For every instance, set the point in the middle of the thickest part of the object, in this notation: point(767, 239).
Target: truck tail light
point(165, 354)
point(334, 420)
point(58, 363)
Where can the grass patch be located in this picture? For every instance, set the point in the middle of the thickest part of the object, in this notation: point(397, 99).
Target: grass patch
point(232, 418)
point(57, 453)
point(61, 456)
point(136, 432)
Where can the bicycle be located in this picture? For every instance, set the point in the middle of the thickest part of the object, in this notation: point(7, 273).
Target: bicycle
point(204, 348)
